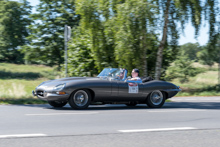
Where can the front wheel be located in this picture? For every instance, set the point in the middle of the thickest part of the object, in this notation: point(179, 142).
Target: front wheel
point(80, 99)
point(156, 99)
point(57, 104)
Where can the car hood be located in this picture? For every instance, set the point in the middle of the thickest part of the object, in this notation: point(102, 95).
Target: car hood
point(66, 80)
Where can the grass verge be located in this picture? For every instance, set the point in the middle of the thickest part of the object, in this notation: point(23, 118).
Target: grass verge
point(22, 101)
point(18, 81)
point(204, 84)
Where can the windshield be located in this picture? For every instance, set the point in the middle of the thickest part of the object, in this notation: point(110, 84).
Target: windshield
point(115, 73)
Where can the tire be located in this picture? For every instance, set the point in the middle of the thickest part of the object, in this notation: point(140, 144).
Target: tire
point(57, 104)
point(156, 99)
point(80, 99)
point(131, 104)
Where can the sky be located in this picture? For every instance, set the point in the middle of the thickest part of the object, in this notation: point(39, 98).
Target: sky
point(186, 37)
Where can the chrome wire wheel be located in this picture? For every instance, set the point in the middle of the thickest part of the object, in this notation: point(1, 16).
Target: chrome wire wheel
point(156, 97)
point(80, 98)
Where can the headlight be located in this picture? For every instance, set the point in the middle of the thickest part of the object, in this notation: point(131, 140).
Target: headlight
point(59, 87)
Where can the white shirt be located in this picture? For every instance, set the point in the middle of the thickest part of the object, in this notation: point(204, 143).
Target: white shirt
point(136, 79)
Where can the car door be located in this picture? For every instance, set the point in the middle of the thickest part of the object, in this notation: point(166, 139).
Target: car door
point(130, 91)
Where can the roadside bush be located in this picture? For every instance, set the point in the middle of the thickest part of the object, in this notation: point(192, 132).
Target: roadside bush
point(182, 69)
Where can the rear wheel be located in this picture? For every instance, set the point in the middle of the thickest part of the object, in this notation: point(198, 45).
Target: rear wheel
point(57, 104)
point(156, 99)
point(80, 99)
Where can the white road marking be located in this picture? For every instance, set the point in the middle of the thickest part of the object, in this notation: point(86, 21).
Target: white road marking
point(195, 99)
point(22, 135)
point(191, 110)
point(175, 111)
point(43, 114)
point(159, 129)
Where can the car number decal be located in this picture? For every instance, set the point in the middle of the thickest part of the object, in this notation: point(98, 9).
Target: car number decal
point(133, 88)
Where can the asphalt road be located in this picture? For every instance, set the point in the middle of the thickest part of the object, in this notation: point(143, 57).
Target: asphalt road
point(187, 121)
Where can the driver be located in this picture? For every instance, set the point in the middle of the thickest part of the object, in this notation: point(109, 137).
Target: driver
point(122, 74)
point(135, 75)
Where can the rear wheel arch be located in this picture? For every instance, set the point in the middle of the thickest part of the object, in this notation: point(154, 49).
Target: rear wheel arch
point(92, 94)
point(165, 94)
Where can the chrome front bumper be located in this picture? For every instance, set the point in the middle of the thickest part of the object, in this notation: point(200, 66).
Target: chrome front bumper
point(33, 93)
point(50, 96)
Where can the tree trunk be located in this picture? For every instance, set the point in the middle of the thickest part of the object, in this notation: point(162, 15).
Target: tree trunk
point(144, 47)
point(162, 43)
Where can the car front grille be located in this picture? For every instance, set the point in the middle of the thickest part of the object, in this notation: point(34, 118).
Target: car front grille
point(40, 93)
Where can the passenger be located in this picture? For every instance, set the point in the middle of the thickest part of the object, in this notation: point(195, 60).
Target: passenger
point(135, 75)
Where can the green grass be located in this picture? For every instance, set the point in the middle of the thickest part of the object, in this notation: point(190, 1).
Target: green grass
point(18, 81)
point(204, 84)
point(25, 68)
point(18, 88)
point(15, 71)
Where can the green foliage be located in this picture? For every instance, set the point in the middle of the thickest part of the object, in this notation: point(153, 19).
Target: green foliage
point(212, 11)
point(96, 17)
point(207, 56)
point(47, 42)
point(133, 39)
point(121, 38)
point(81, 61)
point(175, 12)
point(182, 68)
point(14, 20)
point(190, 51)
point(107, 33)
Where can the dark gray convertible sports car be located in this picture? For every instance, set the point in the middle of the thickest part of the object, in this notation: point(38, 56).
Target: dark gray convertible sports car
point(111, 86)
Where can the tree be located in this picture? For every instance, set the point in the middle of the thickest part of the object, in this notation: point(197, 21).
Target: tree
point(14, 20)
point(47, 41)
point(123, 33)
point(205, 57)
point(97, 18)
point(190, 50)
point(132, 35)
point(80, 58)
point(182, 11)
point(212, 11)
point(208, 57)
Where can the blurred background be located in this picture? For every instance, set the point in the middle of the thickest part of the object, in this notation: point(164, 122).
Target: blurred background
point(171, 40)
